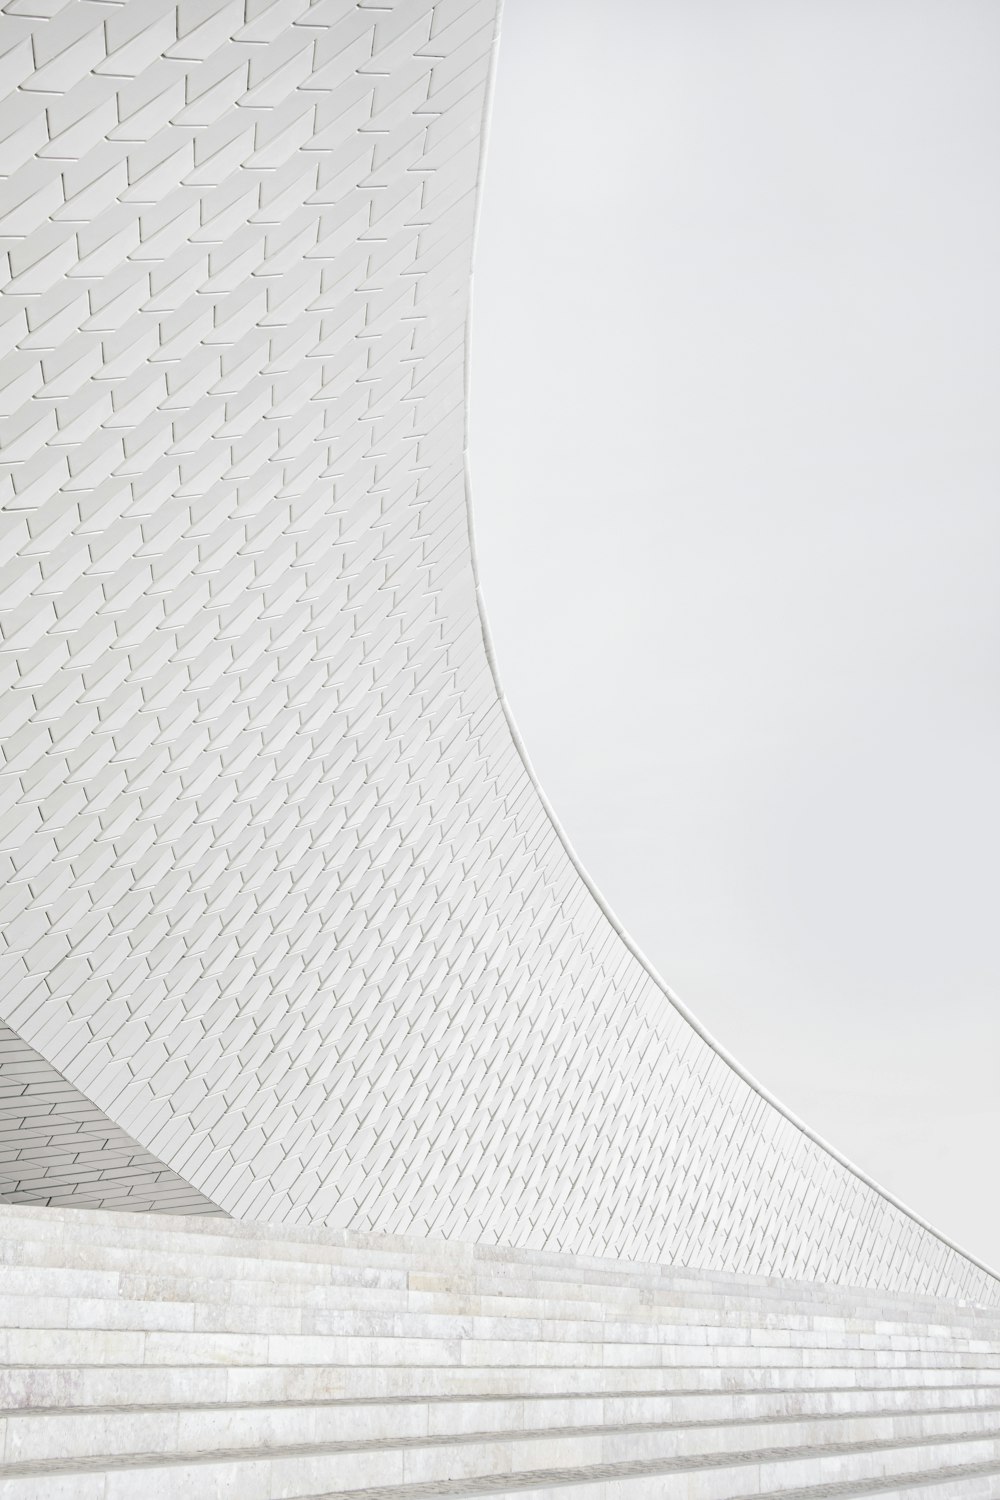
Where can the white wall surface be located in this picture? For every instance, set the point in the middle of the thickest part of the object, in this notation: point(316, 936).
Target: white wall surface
point(279, 896)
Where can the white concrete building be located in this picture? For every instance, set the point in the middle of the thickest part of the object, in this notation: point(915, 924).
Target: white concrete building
point(292, 947)
point(289, 933)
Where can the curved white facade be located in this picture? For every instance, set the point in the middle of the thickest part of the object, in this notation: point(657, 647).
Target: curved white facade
point(283, 911)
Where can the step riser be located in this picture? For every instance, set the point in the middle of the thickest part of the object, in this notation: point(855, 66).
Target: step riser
point(651, 1281)
point(149, 1385)
point(980, 1487)
point(57, 1283)
point(488, 1303)
point(124, 1313)
point(201, 1237)
point(399, 1338)
point(116, 1260)
point(119, 1434)
point(818, 1299)
point(314, 1474)
point(66, 1300)
point(37, 1436)
point(40, 1346)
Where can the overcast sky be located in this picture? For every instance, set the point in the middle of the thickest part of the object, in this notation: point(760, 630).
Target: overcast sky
point(735, 460)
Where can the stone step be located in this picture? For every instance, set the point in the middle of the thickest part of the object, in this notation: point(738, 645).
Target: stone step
point(354, 1289)
point(486, 1301)
point(675, 1459)
point(221, 1237)
point(975, 1481)
point(520, 1265)
point(114, 1257)
point(53, 1285)
point(117, 1260)
point(57, 1431)
point(820, 1297)
point(761, 1420)
point(153, 1259)
point(485, 1349)
point(206, 1358)
point(71, 1309)
point(61, 1385)
point(962, 1482)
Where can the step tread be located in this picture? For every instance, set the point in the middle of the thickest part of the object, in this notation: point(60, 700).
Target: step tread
point(444, 1256)
point(651, 1297)
point(177, 1319)
point(101, 1463)
point(450, 1315)
point(457, 1489)
point(324, 1402)
point(350, 1303)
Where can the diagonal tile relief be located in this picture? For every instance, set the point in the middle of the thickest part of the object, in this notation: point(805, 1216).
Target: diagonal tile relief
point(278, 895)
point(57, 1148)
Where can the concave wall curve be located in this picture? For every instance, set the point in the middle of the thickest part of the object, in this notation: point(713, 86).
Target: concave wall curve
point(280, 897)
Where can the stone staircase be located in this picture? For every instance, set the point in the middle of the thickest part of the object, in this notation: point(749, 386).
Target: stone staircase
point(146, 1357)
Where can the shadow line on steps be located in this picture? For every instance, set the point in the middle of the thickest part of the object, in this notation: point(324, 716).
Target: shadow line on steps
point(291, 1403)
point(100, 1463)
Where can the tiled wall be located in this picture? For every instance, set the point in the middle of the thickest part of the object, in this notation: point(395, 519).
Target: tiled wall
point(57, 1147)
point(278, 895)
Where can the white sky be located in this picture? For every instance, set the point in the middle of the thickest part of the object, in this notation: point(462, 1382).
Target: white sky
point(735, 459)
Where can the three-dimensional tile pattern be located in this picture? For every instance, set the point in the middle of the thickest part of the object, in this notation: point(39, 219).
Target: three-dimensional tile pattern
point(56, 1146)
point(280, 901)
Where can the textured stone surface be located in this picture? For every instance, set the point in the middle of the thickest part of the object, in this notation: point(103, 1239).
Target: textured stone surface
point(279, 898)
point(128, 1374)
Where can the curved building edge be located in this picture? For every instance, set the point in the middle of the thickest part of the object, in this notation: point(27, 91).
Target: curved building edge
point(668, 992)
point(288, 921)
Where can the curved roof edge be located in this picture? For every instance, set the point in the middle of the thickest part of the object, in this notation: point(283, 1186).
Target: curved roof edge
point(491, 656)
